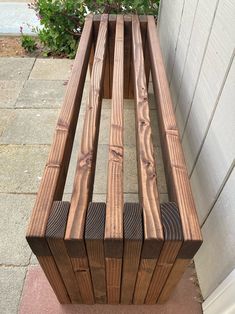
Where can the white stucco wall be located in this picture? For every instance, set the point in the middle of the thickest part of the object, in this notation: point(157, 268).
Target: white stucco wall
point(198, 43)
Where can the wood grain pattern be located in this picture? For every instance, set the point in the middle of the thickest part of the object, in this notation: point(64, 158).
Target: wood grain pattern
point(175, 275)
point(54, 176)
point(84, 177)
point(177, 177)
point(52, 184)
point(145, 272)
point(113, 269)
point(114, 210)
point(149, 198)
point(112, 35)
point(127, 56)
point(55, 237)
point(143, 27)
point(173, 241)
point(133, 238)
point(96, 25)
point(85, 171)
point(82, 274)
point(148, 192)
point(94, 239)
point(51, 271)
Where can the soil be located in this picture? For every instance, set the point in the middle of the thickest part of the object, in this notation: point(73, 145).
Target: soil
point(11, 47)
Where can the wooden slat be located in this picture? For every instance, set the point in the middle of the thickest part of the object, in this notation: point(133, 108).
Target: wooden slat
point(113, 278)
point(112, 32)
point(149, 199)
point(145, 272)
point(175, 275)
point(94, 238)
point(52, 273)
point(53, 181)
point(96, 25)
point(82, 274)
point(106, 91)
point(114, 210)
point(84, 177)
point(54, 174)
point(143, 27)
point(133, 238)
point(172, 243)
point(177, 177)
point(127, 55)
point(55, 237)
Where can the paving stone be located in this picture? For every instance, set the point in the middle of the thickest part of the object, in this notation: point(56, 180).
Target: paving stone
point(41, 94)
point(9, 91)
point(14, 217)
point(39, 123)
point(51, 69)
point(16, 69)
point(39, 298)
point(6, 116)
point(21, 167)
point(11, 279)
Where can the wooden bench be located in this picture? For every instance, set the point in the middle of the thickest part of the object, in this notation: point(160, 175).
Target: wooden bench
point(132, 253)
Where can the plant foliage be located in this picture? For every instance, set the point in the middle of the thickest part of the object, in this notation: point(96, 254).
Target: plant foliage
point(63, 20)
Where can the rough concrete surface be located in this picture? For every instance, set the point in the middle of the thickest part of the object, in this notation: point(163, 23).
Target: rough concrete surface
point(12, 280)
point(14, 217)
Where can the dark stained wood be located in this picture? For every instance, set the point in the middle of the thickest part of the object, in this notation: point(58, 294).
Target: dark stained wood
point(145, 272)
point(52, 183)
point(113, 278)
point(177, 177)
point(127, 56)
point(115, 253)
point(143, 27)
point(84, 177)
point(112, 35)
point(94, 239)
point(149, 198)
point(173, 241)
point(55, 237)
point(96, 24)
point(148, 192)
point(106, 91)
point(133, 238)
point(175, 275)
point(83, 276)
point(51, 271)
point(114, 210)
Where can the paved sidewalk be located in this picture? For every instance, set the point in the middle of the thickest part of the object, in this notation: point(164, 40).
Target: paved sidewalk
point(15, 14)
point(31, 93)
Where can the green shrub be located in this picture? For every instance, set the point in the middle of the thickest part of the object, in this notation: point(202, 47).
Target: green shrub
point(28, 42)
point(63, 20)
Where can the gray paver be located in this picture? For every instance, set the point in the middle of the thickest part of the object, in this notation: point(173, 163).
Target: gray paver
point(51, 69)
point(9, 91)
point(14, 216)
point(11, 279)
point(16, 69)
point(21, 167)
point(6, 117)
point(39, 123)
point(41, 94)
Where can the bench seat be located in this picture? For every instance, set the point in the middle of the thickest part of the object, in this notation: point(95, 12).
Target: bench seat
point(115, 252)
